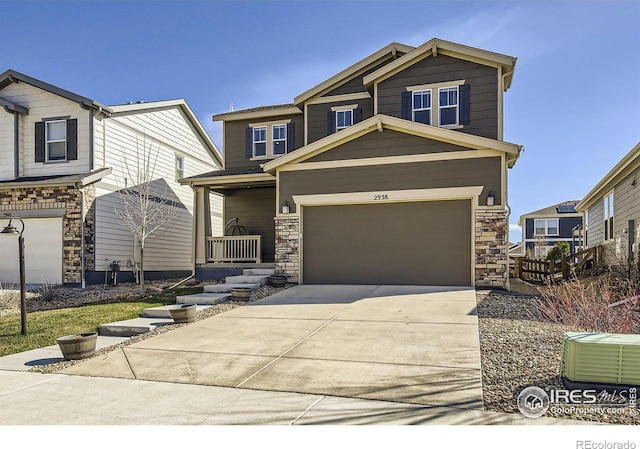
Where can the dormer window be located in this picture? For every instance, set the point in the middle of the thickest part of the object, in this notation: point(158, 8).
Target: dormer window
point(344, 119)
point(450, 111)
point(269, 139)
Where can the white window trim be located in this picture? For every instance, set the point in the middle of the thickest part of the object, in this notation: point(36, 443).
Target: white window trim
point(274, 140)
point(435, 112)
point(269, 136)
point(265, 141)
point(457, 106)
point(546, 226)
point(430, 108)
point(608, 213)
point(179, 167)
point(344, 108)
point(47, 141)
point(343, 111)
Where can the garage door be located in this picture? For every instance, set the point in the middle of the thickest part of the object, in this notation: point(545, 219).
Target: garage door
point(412, 243)
point(43, 252)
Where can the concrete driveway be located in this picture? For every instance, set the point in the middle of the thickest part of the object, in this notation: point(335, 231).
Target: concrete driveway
point(416, 345)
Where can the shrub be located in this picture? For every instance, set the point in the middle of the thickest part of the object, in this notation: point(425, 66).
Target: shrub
point(559, 249)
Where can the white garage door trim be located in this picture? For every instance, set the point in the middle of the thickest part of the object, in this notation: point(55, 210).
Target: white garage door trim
point(388, 196)
point(43, 248)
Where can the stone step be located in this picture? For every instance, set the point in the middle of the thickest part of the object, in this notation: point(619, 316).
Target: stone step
point(136, 326)
point(226, 288)
point(164, 311)
point(262, 280)
point(258, 271)
point(203, 298)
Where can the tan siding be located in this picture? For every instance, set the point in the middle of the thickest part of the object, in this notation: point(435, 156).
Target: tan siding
point(595, 231)
point(42, 105)
point(482, 79)
point(425, 175)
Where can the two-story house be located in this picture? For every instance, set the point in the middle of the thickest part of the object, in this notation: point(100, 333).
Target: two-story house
point(393, 171)
point(63, 161)
point(544, 228)
point(612, 212)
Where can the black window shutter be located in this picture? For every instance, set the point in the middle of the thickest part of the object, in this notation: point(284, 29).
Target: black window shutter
point(357, 116)
point(40, 142)
point(465, 104)
point(291, 137)
point(406, 105)
point(72, 139)
point(248, 142)
point(331, 122)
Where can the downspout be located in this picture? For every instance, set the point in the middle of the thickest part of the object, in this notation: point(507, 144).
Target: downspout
point(16, 144)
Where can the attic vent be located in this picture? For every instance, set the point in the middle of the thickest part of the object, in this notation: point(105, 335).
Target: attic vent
point(601, 358)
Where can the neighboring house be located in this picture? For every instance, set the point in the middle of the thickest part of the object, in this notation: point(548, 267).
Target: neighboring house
point(393, 171)
point(61, 166)
point(612, 211)
point(544, 228)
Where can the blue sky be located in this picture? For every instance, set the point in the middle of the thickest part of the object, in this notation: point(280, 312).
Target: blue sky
point(574, 103)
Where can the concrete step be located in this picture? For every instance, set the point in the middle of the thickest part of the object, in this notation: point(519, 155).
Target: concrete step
point(136, 326)
point(203, 298)
point(258, 271)
point(164, 311)
point(226, 288)
point(262, 280)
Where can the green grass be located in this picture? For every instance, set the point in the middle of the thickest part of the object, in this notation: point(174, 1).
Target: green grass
point(44, 327)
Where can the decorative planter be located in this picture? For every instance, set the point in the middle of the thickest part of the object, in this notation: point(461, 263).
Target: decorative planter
point(78, 346)
point(278, 280)
point(185, 313)
point(241, 293)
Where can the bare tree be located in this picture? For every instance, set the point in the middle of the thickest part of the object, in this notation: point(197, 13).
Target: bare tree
point(145, 206)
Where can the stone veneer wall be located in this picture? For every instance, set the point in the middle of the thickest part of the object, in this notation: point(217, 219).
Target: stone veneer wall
point(287, 256)
point(70, 200)
point(491, 248)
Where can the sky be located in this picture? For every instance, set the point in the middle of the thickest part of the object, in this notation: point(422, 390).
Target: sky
point(574, 103)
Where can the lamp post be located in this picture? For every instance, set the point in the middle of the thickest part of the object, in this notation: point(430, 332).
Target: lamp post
point(12, 230)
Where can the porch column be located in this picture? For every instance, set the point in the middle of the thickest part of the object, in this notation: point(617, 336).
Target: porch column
point(201, 223)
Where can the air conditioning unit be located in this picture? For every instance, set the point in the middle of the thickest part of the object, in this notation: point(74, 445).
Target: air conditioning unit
point(601, 358)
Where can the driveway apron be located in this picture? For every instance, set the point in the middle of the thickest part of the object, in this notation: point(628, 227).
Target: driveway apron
point(407, 344)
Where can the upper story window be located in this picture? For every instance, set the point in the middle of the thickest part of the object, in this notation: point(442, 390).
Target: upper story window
point(269, 139)
point(179, 168)
point(451, 108)
point(342, 117)
point(546, 227)
point(608, 216)
point(422, 106)
point(56, 140)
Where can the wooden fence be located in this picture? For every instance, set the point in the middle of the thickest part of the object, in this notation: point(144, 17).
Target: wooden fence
point(582, 263)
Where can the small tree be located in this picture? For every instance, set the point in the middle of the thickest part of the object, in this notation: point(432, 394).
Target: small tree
point(559, 249)
point(145, 206)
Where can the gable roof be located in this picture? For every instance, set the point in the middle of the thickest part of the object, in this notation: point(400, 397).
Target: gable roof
point(554, 211)
point(11, 76)
point(184, 106)
point(628, 164)
point(379, 123)
point(435, 46)
point(258, 112)
point(359, 67)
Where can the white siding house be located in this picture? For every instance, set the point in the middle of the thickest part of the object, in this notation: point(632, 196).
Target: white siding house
point(63, 160)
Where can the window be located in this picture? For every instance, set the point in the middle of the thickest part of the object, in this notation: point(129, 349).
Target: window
point(279, 139)
point(608, 216)
point(260, 141)
point(56, 140)
point(546, 227)
point(422, 106)
point(179, 167)
point(448, 106)
point(344, 119)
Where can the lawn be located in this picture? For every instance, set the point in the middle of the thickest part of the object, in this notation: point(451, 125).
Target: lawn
point(44, 327)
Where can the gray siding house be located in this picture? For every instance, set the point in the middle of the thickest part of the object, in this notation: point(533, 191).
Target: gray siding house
point(612, 212)
point(544, 228)
point(393, 171)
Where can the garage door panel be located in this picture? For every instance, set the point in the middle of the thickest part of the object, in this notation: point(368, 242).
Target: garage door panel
point(419, 243)
point(42, 252)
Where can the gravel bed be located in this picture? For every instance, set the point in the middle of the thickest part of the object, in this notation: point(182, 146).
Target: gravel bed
point(260, 293)
point(518, 350)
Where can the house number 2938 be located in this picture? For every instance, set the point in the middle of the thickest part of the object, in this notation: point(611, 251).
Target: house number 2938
point(380, 197)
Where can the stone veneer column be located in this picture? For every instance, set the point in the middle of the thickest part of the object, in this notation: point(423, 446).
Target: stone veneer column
point(287, 257)
point(491, 248)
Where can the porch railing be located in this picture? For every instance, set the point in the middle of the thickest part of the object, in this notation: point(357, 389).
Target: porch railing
point(237, 248)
